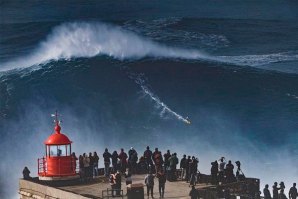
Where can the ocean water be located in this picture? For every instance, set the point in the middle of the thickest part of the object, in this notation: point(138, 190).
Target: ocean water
point(134, 73)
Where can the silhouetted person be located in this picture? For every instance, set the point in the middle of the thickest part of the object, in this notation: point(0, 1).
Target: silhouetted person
point(293, 192)
point(188, 162)
point(183, 167)
point(275, 191)
point(132, 159)
point(266, 192)
point(282, 185)
point(166, 160)
point(26, 173)
point(214, 172)
point(142, 165)
point(91, 165)
point(95, 164)
point(118, 182)
point(173, 164)
point(158, 161)
point(149, 181)
point(194, 193)
point(230, 171)
point(222, 164)
point(281, 194)
point(161, 182)
point(148, 157)
point(115, 160)
point(107, 161)
point(123, 160)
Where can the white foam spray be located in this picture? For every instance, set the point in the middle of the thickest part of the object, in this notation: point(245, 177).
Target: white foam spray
point(159, 103)
point(89, 39)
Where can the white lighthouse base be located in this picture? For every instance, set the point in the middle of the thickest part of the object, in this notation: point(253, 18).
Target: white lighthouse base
point(58, 178)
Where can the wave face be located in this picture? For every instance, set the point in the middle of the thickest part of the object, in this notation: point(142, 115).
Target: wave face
point(73, 40)
point(89, 39)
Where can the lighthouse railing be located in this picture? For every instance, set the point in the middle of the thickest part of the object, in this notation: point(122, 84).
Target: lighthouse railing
point(57, 166)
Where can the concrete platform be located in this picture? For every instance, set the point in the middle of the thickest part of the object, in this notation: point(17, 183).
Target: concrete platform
point(94, 188)
point(177, 189)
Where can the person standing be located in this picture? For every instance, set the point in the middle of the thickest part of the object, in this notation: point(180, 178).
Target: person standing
point(293, 192)
point(95, 163)
point(183, 167)
point(149, 181)
point(86, 162)
point(148, 158)
point(106, 158)
point(123, 160)
point(118, 183)
point(266, 192)
point(214, 172)
point(91, 165)
point(161, 182)
point(166, 160)
point(275, 191)
point(114, 161)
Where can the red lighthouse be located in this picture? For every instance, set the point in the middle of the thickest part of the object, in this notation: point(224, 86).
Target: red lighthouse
point(58, 163)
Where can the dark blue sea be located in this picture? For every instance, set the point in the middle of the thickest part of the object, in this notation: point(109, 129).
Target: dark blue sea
point(135, 73)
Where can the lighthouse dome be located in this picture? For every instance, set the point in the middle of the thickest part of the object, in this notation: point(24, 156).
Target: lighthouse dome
point(57, 138)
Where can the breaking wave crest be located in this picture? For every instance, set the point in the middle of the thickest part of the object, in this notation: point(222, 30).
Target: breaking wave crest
point(82, 39)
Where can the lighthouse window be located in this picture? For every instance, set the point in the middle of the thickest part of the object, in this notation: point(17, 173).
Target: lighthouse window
point(59, 150)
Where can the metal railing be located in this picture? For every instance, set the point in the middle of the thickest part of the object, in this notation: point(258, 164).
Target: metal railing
point(61, 165)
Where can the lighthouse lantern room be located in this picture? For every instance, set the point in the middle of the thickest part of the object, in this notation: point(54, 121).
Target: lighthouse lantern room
point(58, 163)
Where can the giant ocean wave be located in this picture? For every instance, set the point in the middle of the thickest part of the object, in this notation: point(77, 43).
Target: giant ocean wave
point(89, 39)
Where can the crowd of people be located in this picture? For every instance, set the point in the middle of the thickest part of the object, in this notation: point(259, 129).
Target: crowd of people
point(164, 168)
point(278, 192)
point(222, 172)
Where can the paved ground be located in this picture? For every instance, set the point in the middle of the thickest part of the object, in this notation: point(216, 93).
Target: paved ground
point(94, 189)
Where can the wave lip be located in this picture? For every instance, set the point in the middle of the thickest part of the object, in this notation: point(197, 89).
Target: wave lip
point(82, 39)
point(89, 39)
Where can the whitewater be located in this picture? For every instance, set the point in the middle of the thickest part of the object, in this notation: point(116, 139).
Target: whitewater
point(89, 39)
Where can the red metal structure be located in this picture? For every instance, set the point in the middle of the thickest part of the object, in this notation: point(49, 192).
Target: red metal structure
point(58, 163)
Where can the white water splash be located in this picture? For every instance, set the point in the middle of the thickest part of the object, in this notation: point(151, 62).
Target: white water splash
point(159, 103)
point(89, 39)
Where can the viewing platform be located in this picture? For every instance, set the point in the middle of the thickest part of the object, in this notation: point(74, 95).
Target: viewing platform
point(97, 188)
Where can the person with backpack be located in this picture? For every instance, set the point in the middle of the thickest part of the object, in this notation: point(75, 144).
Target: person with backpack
point(161, 182)
point(149, 181)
